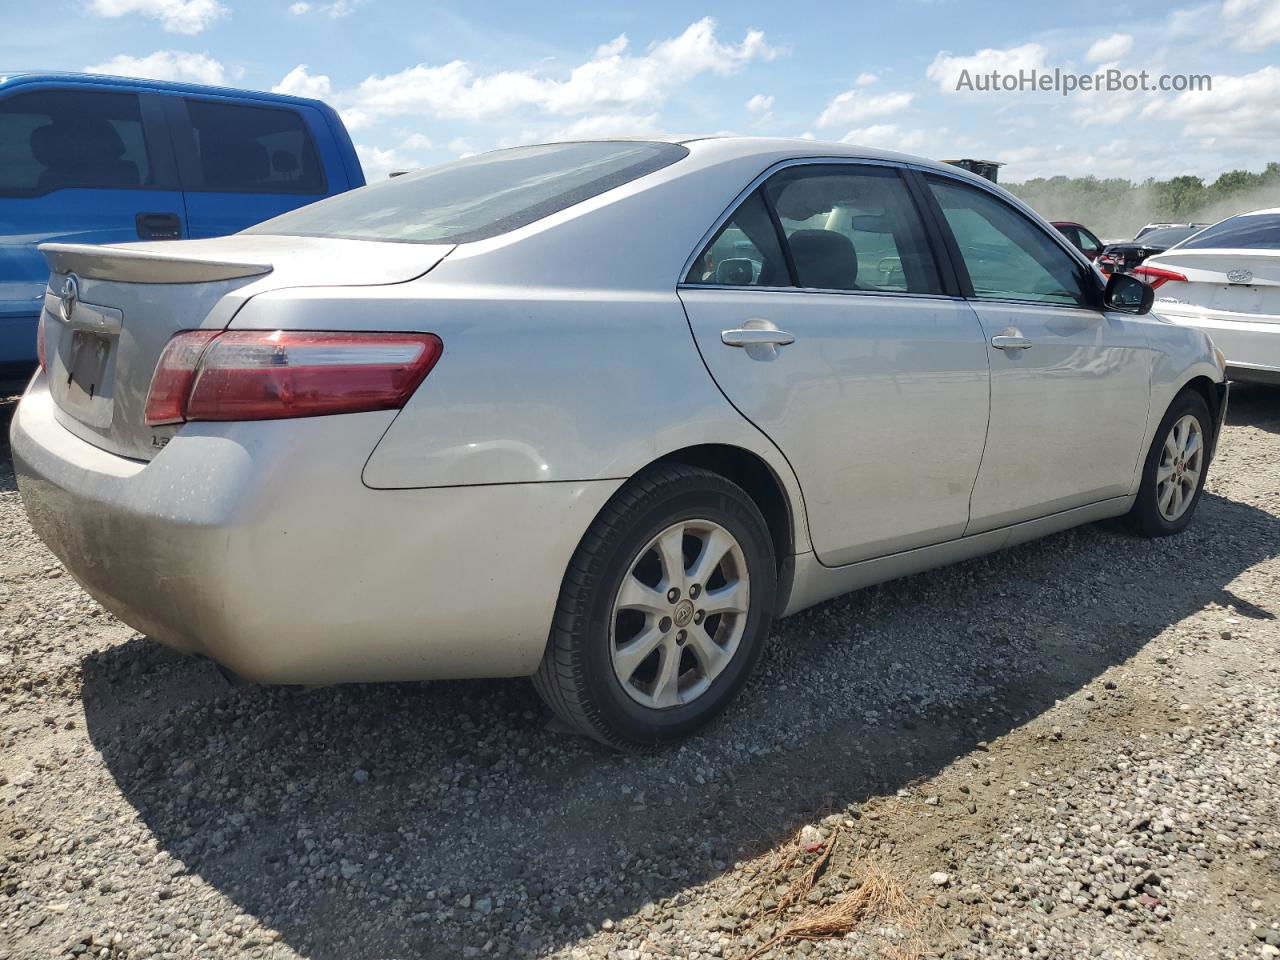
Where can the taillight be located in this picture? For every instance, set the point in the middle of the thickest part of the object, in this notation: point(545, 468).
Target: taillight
point(270, 375)
point(1155, 276)
point(171, 383)
point(44, 364)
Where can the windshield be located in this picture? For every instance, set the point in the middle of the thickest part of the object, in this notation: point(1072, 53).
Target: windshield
point(478, 197)
point(1250, 231)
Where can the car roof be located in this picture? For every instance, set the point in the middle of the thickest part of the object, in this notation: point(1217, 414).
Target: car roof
point(717, 147)
point(19, 77)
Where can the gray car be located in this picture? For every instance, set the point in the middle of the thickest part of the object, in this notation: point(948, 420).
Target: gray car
point(594, 413)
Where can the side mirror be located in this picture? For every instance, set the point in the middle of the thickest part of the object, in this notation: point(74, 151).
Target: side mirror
point(1128, 294)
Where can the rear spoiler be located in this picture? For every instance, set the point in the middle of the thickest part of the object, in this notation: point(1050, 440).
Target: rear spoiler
point(142, 266)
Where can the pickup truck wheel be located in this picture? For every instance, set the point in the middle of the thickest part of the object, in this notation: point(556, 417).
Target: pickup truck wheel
point(1174, 472)
point(664, 610)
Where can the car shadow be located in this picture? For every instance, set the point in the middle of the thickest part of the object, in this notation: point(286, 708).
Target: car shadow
point(355, 820)
point(1254, 405)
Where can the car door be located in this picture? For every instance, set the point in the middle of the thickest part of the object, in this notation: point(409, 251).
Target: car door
point(244, 163)
point(821, 310)
point(1070, 381)
point(77, 165)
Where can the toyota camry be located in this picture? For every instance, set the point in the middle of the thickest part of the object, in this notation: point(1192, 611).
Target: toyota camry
point(595, 413)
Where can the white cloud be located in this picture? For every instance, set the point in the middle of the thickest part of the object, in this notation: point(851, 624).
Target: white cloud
point(888, 136)
point(855, 105)
point(865, 79)
point(603, 126)
point(341, 8)
point(178, 16)
point(165, 65)
point(335, 10)
point(946, 69)
point(1102, 108)
point(611, 79)
point(1252, 24)
point(461, 146)
point(1110, 48)
point(1238, 108)
point(760, 103)
point(378, 163)
point(299, 83)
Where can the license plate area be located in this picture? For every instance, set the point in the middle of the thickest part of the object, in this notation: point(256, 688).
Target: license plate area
point(1237, 298)
point(82, 377)
point(89, 352)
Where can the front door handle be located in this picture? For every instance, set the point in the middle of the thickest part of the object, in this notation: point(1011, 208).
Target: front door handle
point(1011, 343)
point(753, 336)
point(159, 226)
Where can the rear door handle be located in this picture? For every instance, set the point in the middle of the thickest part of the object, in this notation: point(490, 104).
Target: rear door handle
point(1011, 343)
point(159, 226)
point(751, 336)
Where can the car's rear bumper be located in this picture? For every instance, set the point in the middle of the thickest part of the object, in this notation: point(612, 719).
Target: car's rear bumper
point(1252, 347)
point(258, 545)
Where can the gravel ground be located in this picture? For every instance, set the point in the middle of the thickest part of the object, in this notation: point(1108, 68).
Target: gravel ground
point(1070, 749)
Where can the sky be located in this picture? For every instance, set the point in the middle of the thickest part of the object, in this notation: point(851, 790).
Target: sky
point(419, 83)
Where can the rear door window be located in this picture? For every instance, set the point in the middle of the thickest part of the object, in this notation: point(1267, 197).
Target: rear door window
point(853, 228)
point(251, 149)
point(57, 139)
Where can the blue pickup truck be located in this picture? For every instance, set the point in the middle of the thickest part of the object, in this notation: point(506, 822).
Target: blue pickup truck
point(93, 159)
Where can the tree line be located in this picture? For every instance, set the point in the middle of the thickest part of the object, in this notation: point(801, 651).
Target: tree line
point(1114, 208)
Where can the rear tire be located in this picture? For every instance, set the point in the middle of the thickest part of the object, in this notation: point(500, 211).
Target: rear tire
point(651, 640)
point(1174, 472)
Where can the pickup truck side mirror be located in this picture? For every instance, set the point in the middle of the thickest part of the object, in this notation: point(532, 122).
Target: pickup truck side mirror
point(1128, 294)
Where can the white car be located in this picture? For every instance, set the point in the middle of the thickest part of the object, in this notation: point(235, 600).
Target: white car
point(595, 413)
point(1225, 280)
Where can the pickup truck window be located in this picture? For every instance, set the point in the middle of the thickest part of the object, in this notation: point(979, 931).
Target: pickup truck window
point(478, 197)
point(54, 139)
point(250, 149)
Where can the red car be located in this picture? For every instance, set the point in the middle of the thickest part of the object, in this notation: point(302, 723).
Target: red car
point(1081, 237)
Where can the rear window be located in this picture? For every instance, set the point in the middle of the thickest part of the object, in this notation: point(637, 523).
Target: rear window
point(1167, 236)
point(1258, 231)
point(56, 139)
point(245, 149)
point(479, 197)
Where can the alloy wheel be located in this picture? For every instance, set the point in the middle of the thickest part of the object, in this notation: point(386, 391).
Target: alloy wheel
point(679, 614)
point(1178, 472)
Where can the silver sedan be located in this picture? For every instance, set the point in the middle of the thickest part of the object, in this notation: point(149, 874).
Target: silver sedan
point(594, 413)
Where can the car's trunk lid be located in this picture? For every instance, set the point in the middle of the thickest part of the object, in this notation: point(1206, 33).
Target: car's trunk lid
point(105, 332)
point(1227, 284)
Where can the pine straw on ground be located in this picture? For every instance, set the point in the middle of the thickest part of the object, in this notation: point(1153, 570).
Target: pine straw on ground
point(877, 897)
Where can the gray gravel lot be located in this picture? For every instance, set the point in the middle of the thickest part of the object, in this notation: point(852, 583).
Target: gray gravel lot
point(1070, 749)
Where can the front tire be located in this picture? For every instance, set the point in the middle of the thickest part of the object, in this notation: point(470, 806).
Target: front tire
point(664, 609)
point(1174, 472)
